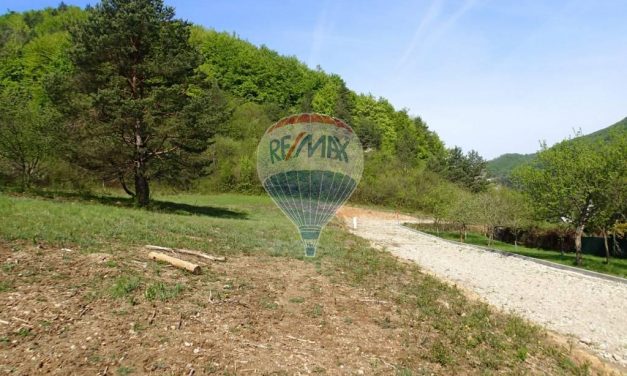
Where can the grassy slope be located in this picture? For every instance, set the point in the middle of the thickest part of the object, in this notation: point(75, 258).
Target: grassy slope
point(617, 267)
point(443, 331)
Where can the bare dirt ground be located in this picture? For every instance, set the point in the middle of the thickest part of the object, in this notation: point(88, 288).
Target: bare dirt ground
point(573, 304)
point(250, 315)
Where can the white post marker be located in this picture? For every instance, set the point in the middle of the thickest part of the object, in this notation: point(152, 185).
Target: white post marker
point(354, 223)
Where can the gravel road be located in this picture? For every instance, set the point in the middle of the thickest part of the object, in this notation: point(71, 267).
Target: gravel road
point(592, 309)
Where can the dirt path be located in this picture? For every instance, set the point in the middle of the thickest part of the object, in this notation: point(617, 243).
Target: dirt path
point(591, 309)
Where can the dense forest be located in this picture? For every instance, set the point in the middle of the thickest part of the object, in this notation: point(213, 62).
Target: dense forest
point(125, 95)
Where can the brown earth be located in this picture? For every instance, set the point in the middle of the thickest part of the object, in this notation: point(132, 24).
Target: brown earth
point(250, 315)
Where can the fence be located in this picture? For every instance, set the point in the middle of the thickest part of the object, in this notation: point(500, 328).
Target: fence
point(563, 240)
point(595, 246)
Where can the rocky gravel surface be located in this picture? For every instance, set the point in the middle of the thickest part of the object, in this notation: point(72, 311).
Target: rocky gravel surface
point(592, 309)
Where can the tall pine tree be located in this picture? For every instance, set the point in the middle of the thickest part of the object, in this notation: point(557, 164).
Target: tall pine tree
point(143, 116)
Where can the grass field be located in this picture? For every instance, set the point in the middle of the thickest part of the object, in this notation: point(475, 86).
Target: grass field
point(350, 310)
point(617, 267)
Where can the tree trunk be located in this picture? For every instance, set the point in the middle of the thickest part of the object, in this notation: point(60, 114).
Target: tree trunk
point(124, 186)
point(561, 245)
point(142, 191)
point(578, 235)
point(461, 233)
point(607, 247)
point(24, 177)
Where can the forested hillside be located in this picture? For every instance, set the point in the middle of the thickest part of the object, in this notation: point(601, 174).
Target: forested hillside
point(233, 88)
point(502, 166)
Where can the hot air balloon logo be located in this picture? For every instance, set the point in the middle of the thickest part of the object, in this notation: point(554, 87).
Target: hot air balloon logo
point(310, 164)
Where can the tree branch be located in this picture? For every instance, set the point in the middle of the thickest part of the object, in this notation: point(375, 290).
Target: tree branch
point(123, 183)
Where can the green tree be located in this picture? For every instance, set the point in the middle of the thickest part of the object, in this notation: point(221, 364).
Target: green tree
point(517, 212)
point(369, 133)
point(612, 203)
point(490, 210)
point(467, 170)
point(440, 200)
point(463, 211)
point(334, 99)
point(500, 206)
point(572, 181)
point(28, 133)
point(142, 116)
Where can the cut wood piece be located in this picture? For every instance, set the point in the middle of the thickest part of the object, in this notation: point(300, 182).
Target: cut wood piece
point(187, 252)
point(191, 267)
point(200, 254)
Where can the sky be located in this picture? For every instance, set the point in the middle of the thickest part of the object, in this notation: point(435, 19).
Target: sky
point(496, 76)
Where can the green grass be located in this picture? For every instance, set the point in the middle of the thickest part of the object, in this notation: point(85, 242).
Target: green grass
point(5, 286)
point(124, 285)
point(163, 292)
point(210, 223)
point(297, 300)
point(123, 371)
point(616, 267)
point(459, 335)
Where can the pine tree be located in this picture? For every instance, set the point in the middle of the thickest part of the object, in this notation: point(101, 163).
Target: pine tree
point(142, 116)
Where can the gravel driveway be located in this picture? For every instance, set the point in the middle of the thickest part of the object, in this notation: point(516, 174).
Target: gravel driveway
point(592, 309)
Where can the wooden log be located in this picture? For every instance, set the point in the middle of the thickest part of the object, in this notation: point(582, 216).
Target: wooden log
point(187, 252)
point(193, 268)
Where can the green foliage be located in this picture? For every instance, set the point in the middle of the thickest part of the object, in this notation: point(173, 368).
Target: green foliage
point(255, 74)
point(28, 133)
point(440, 199)
point(467, 170)
point(334, 99)
point(607, 133)
point(502, 166)
point(463, 211)
point(141, 113)
point(381, 113)
point(578, 181)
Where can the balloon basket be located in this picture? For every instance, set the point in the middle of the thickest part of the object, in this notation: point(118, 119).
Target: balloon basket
point(310, 251)
point(310, 235)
